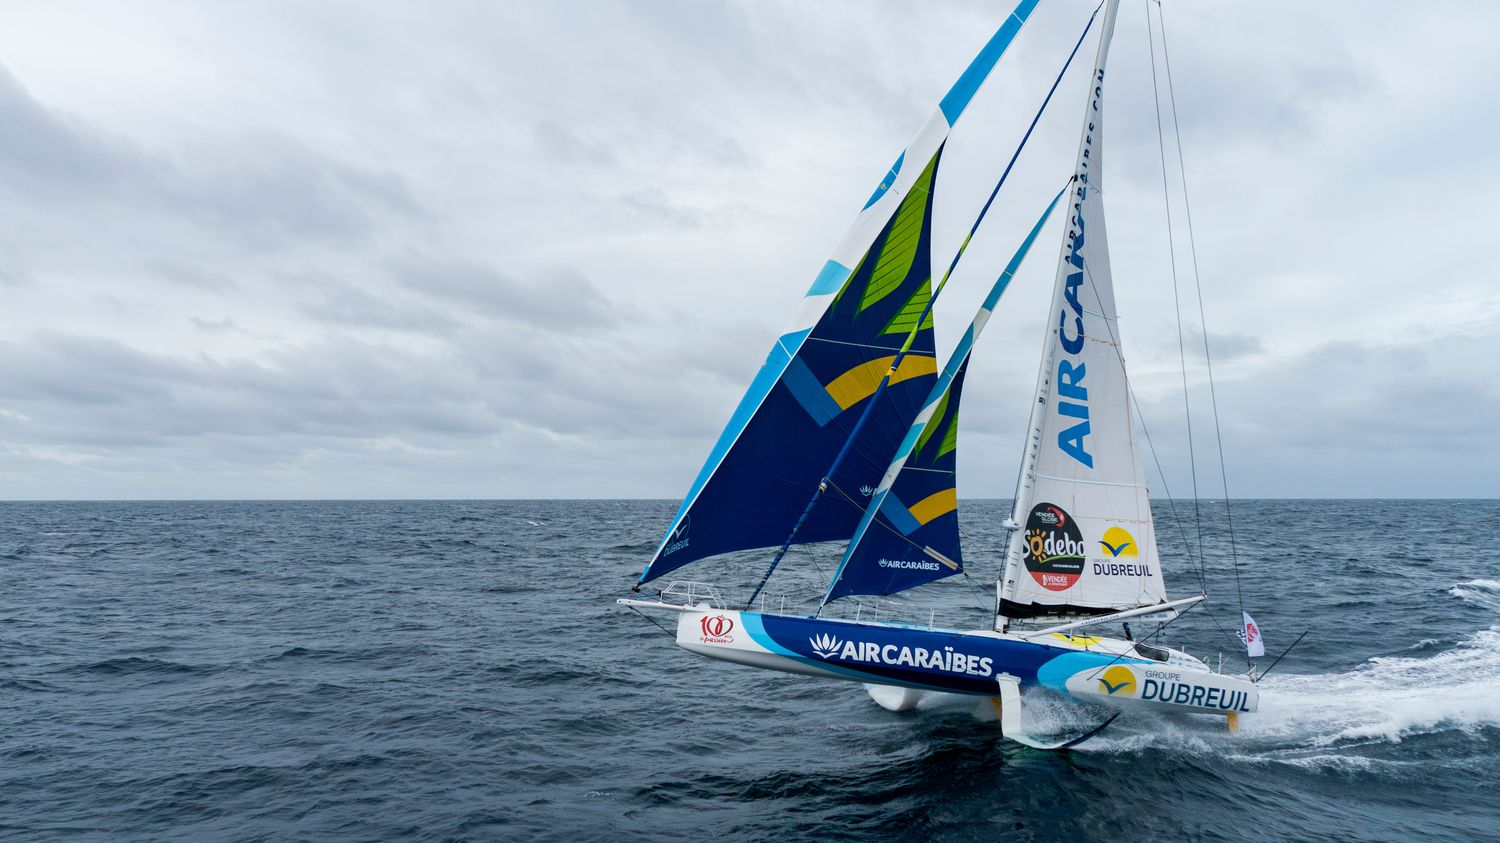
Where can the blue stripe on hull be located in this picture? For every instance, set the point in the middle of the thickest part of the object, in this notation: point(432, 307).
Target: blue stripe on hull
point(934, 660)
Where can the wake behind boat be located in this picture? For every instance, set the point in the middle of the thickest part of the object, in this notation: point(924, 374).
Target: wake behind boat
point(850, 432)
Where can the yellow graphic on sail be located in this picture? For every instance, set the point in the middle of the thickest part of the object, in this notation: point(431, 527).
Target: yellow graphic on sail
point(860, 382)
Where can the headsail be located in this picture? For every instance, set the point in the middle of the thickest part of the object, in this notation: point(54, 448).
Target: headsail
point(909, 534)
point(801, 407)
point(1083, 540)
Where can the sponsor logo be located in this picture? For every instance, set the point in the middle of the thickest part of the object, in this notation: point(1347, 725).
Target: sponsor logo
point(828, 647)
point(825, 645)
point(909, 565)
point(1119, 543)
point(1054, 547)
point(716, 629)
point(1171, 687)
point(1114, 569)
point(866, 490)
point(1118, 680)
point(1072, 394)
point(1197, 696)
point(678, 538)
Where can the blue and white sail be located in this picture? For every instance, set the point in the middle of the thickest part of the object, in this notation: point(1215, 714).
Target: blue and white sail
point(909, 535)
point(1082, 541)
point(802, 406)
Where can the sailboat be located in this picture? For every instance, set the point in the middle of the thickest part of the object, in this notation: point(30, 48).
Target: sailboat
point(849, 432)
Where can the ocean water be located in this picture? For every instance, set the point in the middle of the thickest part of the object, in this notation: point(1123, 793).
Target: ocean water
point(458, 670)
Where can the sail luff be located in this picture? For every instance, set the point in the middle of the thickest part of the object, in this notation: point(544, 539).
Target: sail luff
point(935, 406)
point(785, 358)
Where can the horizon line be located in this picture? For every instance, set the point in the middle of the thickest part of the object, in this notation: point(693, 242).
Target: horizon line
point(659, 500)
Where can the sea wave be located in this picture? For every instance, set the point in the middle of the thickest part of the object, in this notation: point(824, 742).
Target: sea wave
point(354, 669)
point(1388, 698)
point(1483, 593)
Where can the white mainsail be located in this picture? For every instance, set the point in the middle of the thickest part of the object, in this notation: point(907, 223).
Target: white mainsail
point(1082, 539)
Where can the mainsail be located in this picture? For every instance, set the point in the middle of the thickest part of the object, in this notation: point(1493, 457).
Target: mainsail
point(909, 533)
point(802, 406)
point(1082, 539)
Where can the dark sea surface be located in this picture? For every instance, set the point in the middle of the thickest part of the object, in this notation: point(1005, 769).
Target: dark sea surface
point(458, 670)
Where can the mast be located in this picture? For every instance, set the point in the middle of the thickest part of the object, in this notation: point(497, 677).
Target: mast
point(1086, 175)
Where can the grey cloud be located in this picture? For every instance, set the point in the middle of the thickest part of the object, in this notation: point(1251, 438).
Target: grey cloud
point(188, 275)
point(42, 151)
point(568, 145)
point(279, 192)
point(95, 392)
point(1369, 398)
point(557, 298)
point(1227, 348)
point(655, 205)
point(213, 325)
point(1162, 347)
point(78, 392)
point(337, 302)
point(1393, 420)
point(14, 270)
point(423, 252)
point(274, 192)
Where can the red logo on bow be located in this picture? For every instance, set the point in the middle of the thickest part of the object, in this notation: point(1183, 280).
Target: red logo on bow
point(716, 626)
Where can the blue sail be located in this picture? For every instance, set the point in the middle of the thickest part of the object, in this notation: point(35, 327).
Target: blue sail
point(802, 406)
point(908, 535)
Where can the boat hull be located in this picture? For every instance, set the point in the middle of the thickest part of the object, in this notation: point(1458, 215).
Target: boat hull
point(952, 661)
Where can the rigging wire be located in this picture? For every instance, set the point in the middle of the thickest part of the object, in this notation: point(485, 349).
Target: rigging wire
point(1151, 446)
point(1187, 404)
point(1140, 417)
point(979, 602)
point(654, 622)
point(1198, 287)
point(1177, 299)
point(1135, 401)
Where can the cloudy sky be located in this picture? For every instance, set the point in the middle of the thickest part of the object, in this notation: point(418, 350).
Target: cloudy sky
point(306, 250)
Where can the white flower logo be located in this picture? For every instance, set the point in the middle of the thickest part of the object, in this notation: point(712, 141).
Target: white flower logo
point(825, 645)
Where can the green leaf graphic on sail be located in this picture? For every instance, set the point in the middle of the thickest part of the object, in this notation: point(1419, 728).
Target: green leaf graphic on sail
point(899, 250)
